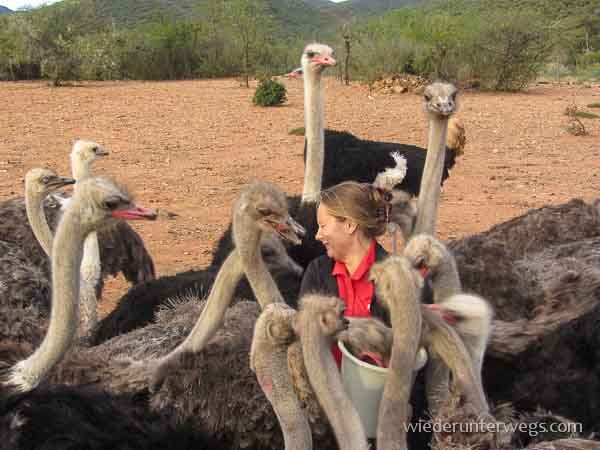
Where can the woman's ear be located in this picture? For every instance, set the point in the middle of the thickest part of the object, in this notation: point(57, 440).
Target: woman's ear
point(350, 226)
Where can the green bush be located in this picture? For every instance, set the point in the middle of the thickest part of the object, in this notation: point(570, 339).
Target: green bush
point(269, 93)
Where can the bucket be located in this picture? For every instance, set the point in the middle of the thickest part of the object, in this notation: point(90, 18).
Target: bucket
point(364, 385)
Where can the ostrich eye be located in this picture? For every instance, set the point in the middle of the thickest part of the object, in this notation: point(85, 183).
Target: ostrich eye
point(264, 211)
point(111, 202)
point(310, 54)
point(420, 263)
point(427, 97)
point(95, 149)
point(45, 180)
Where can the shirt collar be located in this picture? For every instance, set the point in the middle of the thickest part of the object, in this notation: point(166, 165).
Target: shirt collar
point(339, 268)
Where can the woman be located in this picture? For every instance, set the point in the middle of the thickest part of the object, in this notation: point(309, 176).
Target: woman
point(350, 216)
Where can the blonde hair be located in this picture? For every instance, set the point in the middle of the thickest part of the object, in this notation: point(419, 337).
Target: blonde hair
point(362, 203)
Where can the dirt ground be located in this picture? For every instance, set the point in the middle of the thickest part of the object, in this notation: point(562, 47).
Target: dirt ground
point(189, 147)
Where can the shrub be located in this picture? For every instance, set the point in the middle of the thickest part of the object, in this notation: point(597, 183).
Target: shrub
point(269, 93)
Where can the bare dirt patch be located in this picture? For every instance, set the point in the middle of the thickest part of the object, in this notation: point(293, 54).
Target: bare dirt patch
point(189, 147)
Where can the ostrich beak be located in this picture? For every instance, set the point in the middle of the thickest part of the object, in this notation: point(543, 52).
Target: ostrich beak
point(449, 317)
point(59, 182)
point(102, 152)
point(325, 60)
point(290, 230)
point(135, 213)
point(296, 73)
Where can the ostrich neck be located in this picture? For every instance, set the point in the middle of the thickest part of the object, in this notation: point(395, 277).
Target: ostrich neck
point(220, 296)
point(269, 361)
point(66, 258)
point(427, 204)
point(326, 382)
point(90, 276)
point(247, 238)
point(34, 205)
point(446, 281)
point(394, 409)
point(90, 265)
point(315, 137)
point(79, 169)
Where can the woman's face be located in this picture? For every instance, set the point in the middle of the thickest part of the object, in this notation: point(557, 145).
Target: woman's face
point(335, 234)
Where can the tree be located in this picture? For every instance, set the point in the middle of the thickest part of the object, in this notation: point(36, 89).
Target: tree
point(347, 40)
point(250, 24)
point(53, 32)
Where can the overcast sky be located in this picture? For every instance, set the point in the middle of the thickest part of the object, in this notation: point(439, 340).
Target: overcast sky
point(16, 4)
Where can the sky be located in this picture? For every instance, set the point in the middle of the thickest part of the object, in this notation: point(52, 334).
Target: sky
point(16, 4)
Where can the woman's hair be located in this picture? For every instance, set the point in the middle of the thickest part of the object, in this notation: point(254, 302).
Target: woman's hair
point(362, 203)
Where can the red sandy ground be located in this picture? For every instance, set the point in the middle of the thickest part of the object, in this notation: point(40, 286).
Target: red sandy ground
point(189, 147)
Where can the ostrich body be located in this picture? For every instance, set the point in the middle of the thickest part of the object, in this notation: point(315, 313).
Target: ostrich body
point(96, 203)
point(24, 285)
point(540, 272)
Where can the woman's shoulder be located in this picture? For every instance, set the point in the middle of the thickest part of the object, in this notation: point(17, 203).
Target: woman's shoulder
point(320, 264)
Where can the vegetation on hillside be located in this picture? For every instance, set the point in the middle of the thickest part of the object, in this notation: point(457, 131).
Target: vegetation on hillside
point(497, 44)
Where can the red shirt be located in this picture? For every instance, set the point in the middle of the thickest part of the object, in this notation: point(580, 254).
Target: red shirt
point(356, 290)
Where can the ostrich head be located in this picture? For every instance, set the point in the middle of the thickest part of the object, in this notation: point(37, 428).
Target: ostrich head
point(440, 98)
point(426, 254)
point(102, 202)
point(328, 310)
point(266, 206)
point(316, 58)
point(83, 154)
point(44, 181)
point(394, 275)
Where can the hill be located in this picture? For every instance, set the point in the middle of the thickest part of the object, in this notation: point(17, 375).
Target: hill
point(372, 7)
point(294, 15)
point(5, 10)
point(308, 17)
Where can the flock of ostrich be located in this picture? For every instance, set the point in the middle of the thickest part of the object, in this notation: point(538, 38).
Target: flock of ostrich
point(511, 332)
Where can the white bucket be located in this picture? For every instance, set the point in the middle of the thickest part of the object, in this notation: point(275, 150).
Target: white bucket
point(364, 385)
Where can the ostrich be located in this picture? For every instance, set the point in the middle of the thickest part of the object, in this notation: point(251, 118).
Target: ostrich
point(24, 286)
point(24, 283)
point(138, 306)
point(96, 203)
point(84, 153)
point(471, 315)
point(262, 207)
point(334, 156)
point(121, 248)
